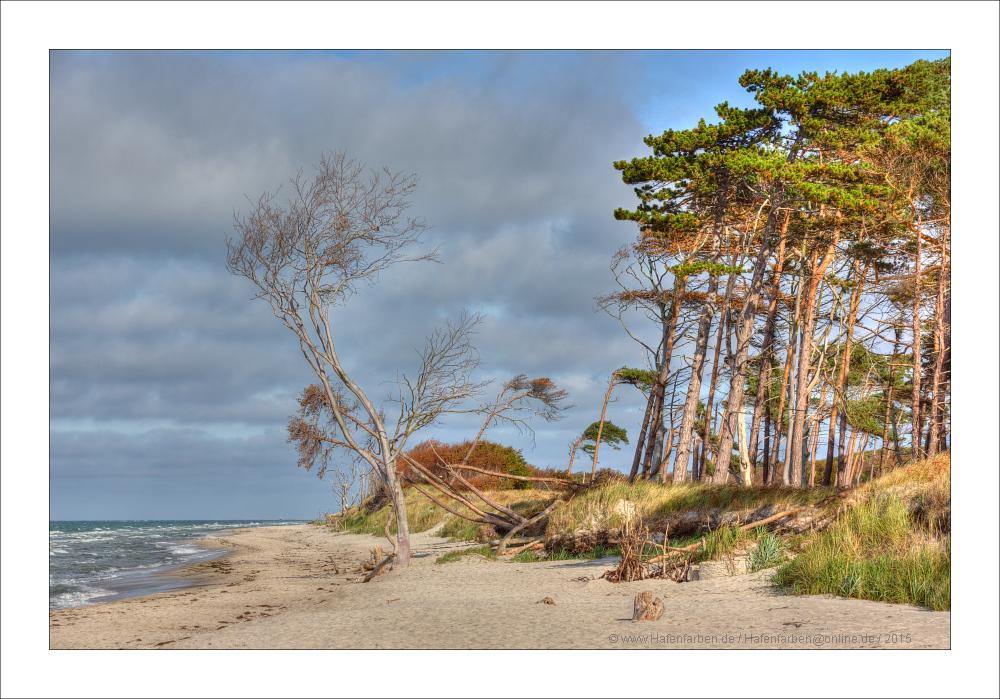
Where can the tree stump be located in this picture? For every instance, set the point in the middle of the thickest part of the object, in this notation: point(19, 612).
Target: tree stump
point(646, 608)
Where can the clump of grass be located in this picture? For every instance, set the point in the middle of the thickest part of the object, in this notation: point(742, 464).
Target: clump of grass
point(452, 556)
point(769, 552)
point(422, 515)
point(875, 551)
point(724, 541)
point(526, 557)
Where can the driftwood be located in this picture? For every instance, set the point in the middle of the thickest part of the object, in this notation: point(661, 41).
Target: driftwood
point(376, 566)
point(484, 517)
point(500, 474)
point(768, 520)
point(517, 541)
point(645, 608)
point(522, 549)
point(527, 523)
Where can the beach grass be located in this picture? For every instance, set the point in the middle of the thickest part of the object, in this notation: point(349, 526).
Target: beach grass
point(599, 507)
point(452, 556)
point(891, 545)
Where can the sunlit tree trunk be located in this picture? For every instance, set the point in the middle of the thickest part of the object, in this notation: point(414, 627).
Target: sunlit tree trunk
point(706, 437)
point(802, 375)
point(660, 386)
point(840, 387)
point(701, 342)
point(888, 420)
point(786, 384)
point(767, 477)
point(936, 404)
point(915, 415)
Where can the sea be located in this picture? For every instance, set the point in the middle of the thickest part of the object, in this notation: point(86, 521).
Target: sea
point(102, 561)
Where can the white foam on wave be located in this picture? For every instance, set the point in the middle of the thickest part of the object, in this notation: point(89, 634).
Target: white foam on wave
point(184, 550)
point(77, 598)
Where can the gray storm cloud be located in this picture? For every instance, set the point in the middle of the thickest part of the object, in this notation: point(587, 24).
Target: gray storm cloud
point(153, 152)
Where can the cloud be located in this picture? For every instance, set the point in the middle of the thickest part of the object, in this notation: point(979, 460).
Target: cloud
point(179, 474)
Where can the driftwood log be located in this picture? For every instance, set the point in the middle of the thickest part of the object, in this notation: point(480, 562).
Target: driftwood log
point(527, 523)
point(645, 608)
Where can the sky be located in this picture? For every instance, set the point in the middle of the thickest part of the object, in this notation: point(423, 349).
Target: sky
point(170, 388)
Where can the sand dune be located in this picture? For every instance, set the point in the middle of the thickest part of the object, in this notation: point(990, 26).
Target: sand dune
point(279, 588)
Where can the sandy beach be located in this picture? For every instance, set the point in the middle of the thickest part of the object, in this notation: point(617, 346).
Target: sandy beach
point(294, 587)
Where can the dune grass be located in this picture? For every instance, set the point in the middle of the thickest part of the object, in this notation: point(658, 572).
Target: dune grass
point(422, 515)
point(452, 556)
point(597, 508)
point(890, 546)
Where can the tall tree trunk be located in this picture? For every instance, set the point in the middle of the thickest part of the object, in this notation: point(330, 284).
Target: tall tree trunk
point(849, 456)
point(860, 460)
point(915, 415)
point(767, 347)
point(888, 419)
point(766, 477)
point(701, 342)
point(840, 387)
point(641, 442)
point(840, 392)
point(803, 454)
point(746, 467)
point(802, 386)
point(843, 477)
point(937, 408)
point(707, 436)
point(814, 428)
point(600, 427)
point(660, 386)
point(402, 541)
point(786, 386)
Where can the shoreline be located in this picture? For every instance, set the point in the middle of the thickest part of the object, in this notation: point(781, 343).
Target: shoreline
point(292, 587)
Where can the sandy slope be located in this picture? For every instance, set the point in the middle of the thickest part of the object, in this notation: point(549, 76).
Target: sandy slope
point(279, 589)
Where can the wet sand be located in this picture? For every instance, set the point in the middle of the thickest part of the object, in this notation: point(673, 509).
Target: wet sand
point(294, 587)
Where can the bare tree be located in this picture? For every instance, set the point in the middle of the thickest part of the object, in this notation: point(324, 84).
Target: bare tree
point(339, 230)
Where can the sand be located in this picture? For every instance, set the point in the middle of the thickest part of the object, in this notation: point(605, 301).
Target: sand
point(279, 587)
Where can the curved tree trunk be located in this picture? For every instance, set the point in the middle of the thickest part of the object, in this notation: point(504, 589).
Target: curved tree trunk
point(600, 427)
